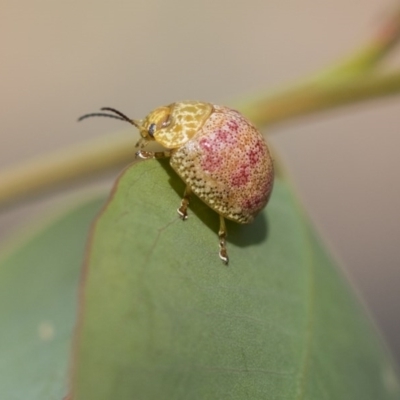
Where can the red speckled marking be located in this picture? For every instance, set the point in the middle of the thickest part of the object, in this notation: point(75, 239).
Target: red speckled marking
point(257, 200)
point(233, 125)
point(241, 176)
point(227, 164)
point(210, 161)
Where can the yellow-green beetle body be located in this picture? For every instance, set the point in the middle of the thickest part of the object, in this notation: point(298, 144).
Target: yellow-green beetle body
point(219, 154)
point(222, 158)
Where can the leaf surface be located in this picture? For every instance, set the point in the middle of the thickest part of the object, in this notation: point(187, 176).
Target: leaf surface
point(38, 302)
point(162, 318)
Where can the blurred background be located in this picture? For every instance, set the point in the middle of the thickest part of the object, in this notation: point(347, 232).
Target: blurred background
point(60, 60)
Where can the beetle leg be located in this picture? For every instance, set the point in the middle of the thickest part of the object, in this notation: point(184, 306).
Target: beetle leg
point(142, 142)
point(182, 210)
point(146, 155)
point(222, 234)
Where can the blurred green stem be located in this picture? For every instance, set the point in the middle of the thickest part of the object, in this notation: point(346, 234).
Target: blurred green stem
point(350, 81)
point(319, 96)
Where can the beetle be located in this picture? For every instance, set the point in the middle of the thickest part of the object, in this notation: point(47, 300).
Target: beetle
point(221, 156)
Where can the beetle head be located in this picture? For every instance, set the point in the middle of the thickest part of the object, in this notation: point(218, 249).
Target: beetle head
point(171, 126)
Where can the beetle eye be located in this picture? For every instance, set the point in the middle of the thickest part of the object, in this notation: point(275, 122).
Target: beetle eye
point(151, 130)
point(166, 123)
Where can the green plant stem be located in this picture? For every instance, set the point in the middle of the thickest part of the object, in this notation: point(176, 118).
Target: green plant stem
point(350, 81)
point(76, 163)
point(334, 80)
point(368, 57)
point(107, 152)
point(317, 97)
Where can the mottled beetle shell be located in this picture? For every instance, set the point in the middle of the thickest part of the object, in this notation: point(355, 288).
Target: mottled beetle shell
point(217, 152)
point(226, 163)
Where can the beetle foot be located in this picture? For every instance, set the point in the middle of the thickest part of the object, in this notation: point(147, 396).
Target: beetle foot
point(223, 254)
point(144, 155)
point(182, 211)
point(222, 234)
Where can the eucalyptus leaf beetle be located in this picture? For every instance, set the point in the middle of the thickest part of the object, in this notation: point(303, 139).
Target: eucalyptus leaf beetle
point(222, 158)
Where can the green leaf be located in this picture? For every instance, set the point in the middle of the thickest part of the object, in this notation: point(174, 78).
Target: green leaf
point(38, 287)
point(163, 318)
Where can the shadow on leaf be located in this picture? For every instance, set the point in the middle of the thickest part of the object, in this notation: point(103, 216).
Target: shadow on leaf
point(242, 235)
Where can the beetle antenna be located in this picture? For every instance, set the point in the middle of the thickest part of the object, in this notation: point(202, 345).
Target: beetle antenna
point(123, 116)
point(119, 116)
point(100, 115)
